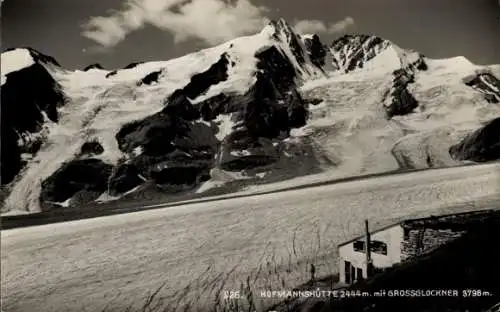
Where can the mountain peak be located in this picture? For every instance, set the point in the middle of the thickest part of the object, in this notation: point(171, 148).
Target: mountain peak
point(36, 55)
point(280, 23)
point(93, 66)
point(356, 51)
point(359, 39)
point(14, 59)
point(352, 51)
point(280, 29)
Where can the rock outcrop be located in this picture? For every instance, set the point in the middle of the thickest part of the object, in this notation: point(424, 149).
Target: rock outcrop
point(132, 65)
point(30, 96)
point(400, 100)
point(85, 175)
point(150, 78)
point(176, 148)
point(481, 145)
point(124, 178)
point(354, 51)
point(316, 50)
point(486, 83)
point(201, 82)
point(90, 148)
point(93, 66)
point(112, 73)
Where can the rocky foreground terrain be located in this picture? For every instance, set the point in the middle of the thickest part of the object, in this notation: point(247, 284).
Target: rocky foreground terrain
point(257, 109)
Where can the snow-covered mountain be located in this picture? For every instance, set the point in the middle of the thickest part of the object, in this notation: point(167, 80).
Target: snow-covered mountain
point(353, 52)
point(256, 109)
point(30, 98)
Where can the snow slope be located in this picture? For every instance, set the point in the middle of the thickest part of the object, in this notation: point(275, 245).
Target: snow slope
point(15, 60)
point(350, 123)
point(120, 260)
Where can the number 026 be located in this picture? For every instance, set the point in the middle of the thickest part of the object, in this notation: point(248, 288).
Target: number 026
point(231, 295)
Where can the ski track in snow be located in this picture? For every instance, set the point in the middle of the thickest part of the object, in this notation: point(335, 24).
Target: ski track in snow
point(198, 248)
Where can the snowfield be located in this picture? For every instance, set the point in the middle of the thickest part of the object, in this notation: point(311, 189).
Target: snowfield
point(200, 249)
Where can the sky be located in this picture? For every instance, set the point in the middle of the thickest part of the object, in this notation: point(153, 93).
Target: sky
point(115, 33)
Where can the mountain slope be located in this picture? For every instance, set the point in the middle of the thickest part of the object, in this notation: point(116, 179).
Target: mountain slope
point(480, 145)
point(30, 97)
point(256, 109)
point(352, 122)
point(159, 119)
point(353, 52)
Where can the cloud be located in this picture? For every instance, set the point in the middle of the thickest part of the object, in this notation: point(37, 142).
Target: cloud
point(310, 26)
point(317, 26)
point(341, 26)
point(212, 21)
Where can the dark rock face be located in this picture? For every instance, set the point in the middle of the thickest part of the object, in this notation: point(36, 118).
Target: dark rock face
point(170, 142)
point(402, 101)
point(173, 148)
point(314, 101)
point(26, 95)
point(265, 113)
point(353, 51)
point(420, 64)
point(487, 84)
point(276, 65)
point(179, 174)
point(219, 104)
point(91, 148)
point(93, 66)
point(244, 153)
point(283, 29)
point(201, 82)
point(271, 111)
point(124, 178)
point(316, 51)
point(150, 78)
point(11, 162)
point(362, 48)
point(268, 110)
point(22, 109)
point(481, 145)
point(111, 73)
point(132, 65)
point(129, 66)
point(153, 134)
point(178, 103)
point(78, 175)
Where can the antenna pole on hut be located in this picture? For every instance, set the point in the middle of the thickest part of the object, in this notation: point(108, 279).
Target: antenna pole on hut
point(368, 250)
